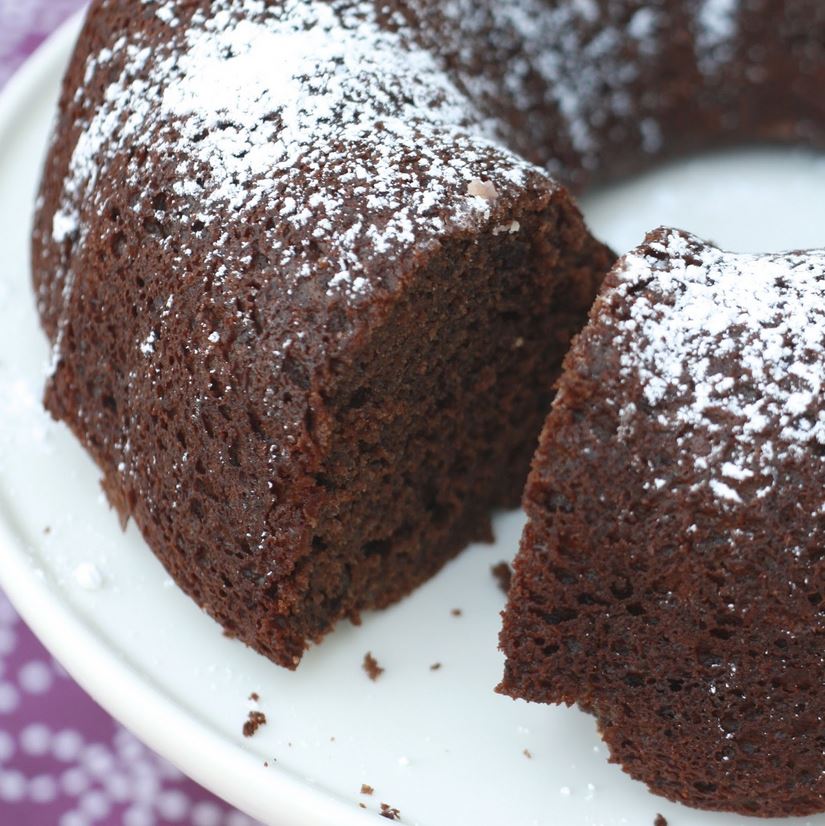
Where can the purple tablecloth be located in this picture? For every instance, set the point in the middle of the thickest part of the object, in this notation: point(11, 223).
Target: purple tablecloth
point(63, 760)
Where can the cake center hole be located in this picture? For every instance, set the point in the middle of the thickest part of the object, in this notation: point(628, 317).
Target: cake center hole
point(745, 200)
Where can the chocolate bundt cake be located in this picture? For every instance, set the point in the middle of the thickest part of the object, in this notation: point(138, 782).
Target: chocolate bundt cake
point(671, 576)
point(306, 312)
point(309, 271)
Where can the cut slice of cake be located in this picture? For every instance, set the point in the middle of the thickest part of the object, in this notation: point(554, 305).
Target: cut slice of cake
point(671, 576)
point(306, 315)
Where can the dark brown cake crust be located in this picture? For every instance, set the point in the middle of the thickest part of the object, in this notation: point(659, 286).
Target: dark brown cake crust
point(670, 578)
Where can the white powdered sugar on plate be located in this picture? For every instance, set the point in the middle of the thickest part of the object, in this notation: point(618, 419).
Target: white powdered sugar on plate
point(729, 347)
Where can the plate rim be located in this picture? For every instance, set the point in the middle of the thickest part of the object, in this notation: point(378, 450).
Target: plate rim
point(119, 686)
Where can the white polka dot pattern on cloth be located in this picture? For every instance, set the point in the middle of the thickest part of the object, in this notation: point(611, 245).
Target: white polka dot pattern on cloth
point(63, 760)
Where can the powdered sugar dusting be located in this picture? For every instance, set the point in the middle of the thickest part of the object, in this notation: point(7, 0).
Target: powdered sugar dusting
point(361, 133)
point(358, 127)
point(253, 97)
point(716, 29)
point(244, 93)
point(717, 20)
point(587, 56)
point(729, 350)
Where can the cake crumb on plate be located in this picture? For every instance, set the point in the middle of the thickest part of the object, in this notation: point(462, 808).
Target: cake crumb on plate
point(370, 665)
point(503, 575)
point(254, 722)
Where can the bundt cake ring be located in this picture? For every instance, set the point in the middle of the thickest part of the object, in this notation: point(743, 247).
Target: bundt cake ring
point(310, 268)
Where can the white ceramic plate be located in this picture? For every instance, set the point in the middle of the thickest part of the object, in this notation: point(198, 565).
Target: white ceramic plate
point(439, 745)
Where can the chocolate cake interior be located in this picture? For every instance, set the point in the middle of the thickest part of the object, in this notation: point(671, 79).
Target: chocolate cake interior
point(432, 421)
